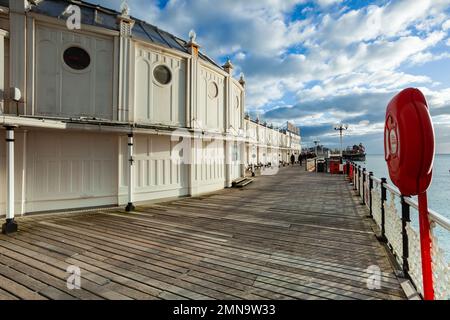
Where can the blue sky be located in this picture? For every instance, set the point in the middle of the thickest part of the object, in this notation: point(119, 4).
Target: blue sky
point(321, 62)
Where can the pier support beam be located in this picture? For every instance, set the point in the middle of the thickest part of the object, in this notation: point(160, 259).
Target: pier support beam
point(130, 207)
point(10, 226)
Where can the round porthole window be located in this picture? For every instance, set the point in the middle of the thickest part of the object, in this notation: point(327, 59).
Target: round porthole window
point(77, 58)
point(213, 90)
point(162, 74)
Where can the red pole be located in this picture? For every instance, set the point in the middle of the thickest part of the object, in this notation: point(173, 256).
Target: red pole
point(425, 244)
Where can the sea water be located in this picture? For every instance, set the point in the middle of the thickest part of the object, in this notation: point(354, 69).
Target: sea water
point(438, 194)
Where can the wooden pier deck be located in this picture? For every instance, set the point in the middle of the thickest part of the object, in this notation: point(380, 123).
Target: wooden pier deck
point(296, 235)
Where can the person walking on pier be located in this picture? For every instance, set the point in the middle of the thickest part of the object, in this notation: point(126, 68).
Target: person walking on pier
point(300, 159)
point(293, 159)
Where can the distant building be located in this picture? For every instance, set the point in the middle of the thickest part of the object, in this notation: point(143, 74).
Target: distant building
point(269, 145)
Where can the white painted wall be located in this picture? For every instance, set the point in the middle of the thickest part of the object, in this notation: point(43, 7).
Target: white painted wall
point(236, 157)
point(236, 107)
point(156, 175)
point(210, 109)
point(209, 165)
point(262, 154)
point(61, 91)
point(70, 170)
point(156, 103)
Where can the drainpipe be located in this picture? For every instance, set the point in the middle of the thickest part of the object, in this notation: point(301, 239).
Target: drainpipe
point(130, 207)
point(10, 225)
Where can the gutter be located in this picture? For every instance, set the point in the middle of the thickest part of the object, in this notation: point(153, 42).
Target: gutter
point(108, 127)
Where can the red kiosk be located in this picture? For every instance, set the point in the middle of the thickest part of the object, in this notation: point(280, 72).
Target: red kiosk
point(409, 150)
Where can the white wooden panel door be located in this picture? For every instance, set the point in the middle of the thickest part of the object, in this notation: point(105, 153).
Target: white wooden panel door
point(71, 170)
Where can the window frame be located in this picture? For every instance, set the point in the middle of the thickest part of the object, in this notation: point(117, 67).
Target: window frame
point(156, 81)
point(68, 67)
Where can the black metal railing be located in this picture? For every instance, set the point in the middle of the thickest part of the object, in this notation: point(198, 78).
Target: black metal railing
point(392, 214)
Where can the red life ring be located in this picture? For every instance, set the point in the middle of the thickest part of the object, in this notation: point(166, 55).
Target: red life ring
point(409, 142)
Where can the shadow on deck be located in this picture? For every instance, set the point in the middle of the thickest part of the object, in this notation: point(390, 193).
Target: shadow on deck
point(295, 235)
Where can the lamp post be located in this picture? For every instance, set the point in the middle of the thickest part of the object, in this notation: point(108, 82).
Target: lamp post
point(316, 142)
point(341, 128)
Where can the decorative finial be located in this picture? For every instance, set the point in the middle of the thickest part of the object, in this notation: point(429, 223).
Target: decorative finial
point(242, 79)
point(228, 66)
point(192, 36)
point(125, 8)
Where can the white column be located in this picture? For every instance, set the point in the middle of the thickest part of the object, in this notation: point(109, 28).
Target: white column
point(243, 127)
point(192, 115)
point(18, 48)
point(3, 34)
point(10, 226)
point(228, 67)
point(126, 111)
point(242, 157)
point(130, 207)
point(228, 161)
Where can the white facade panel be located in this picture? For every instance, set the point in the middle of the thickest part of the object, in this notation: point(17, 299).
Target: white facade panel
point(262, 155)
point(210, 109)
point(236, 161)
point(208, 165)
point(157, 175)
point(63, 91)
point(236, 108)
point(157, 103)
point(70, 170)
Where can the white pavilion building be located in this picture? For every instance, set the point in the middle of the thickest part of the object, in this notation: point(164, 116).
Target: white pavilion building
point(116, 113)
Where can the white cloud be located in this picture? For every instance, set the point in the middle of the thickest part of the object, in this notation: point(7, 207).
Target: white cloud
point(446, 25)
point(240, 56)
point(327, 3)
point(337, 52)
point(424, 57)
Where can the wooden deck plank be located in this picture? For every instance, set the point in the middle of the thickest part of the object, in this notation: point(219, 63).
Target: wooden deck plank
point(295, 235)
point(341, 273)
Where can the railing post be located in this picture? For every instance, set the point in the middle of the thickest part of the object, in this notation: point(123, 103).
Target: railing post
point(383, 214)
point(10, 226)
point(363, 186)
point(406, 218)
point(347, 170)
point(359, 180)
point(131, 164)
point(370, 193)
point(355, 175)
